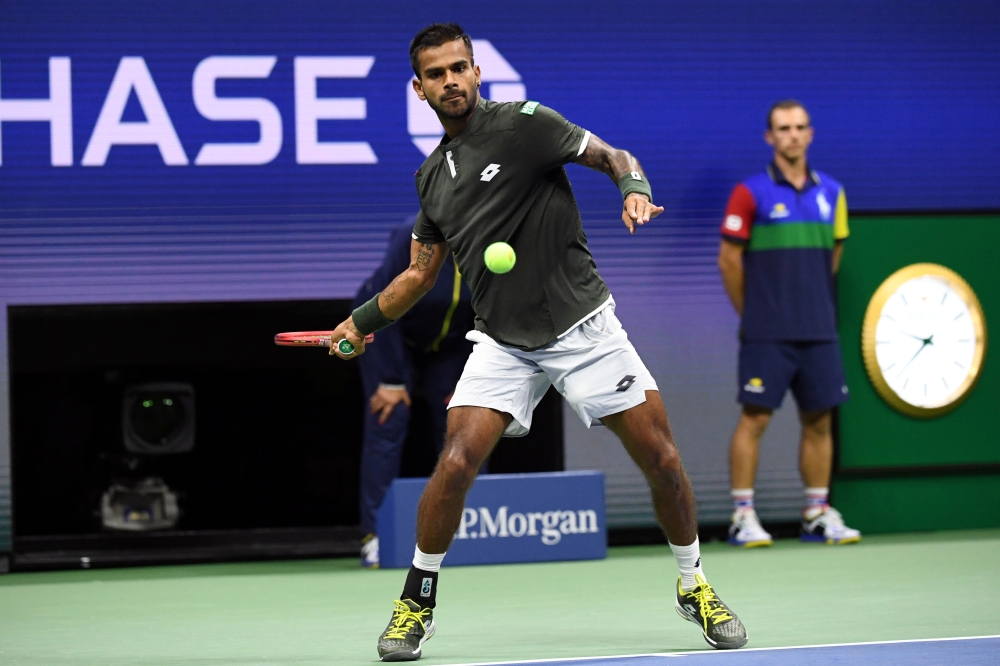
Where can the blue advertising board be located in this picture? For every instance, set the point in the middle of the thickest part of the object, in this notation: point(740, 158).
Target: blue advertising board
point(507, 518)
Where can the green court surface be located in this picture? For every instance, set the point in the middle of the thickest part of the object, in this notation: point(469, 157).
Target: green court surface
point(931, 585)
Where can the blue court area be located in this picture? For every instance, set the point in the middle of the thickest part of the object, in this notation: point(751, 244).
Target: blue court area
point(956, 651)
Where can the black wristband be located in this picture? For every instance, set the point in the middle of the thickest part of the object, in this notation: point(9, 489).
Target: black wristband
point(634, 181)
point(369, 318)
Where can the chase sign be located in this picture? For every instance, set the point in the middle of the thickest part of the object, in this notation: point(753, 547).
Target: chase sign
point(134, 80)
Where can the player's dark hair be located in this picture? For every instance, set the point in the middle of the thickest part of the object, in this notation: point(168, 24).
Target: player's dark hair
point(436, 35)
point(784, 104)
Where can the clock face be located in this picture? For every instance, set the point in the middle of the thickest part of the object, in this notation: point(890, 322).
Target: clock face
point(924, 351)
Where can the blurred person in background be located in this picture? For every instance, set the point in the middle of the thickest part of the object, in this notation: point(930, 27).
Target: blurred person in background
point(426, 351)
point(782, 239)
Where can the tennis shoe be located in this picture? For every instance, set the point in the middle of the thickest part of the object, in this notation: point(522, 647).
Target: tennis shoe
point(828, 527)
point(746, 532)
point(369, 552)
point(719, 625)
point(410, 627)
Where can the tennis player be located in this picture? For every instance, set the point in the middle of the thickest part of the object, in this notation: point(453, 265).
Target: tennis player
point(498, 176)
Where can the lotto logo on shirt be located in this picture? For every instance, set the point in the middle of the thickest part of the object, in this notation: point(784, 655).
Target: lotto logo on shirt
point(489, 172)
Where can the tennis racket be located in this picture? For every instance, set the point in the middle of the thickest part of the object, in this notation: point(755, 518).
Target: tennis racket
point(316, 339)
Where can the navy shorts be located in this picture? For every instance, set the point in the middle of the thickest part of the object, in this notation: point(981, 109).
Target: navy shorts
point(813, 370)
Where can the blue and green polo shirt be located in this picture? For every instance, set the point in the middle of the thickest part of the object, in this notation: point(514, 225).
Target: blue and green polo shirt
point(789, 236)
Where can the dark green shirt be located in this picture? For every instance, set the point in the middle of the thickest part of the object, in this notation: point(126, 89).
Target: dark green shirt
point(502, 179)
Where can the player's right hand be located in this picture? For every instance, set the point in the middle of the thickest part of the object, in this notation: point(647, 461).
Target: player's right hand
point(347, 331)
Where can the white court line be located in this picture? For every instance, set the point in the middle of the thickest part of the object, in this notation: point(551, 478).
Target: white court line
point(737, 651)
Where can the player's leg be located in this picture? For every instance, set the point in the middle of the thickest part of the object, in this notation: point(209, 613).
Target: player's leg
point(496, 395)
point(439, 374)
point(472, 434)
point(381, 453)
point(645, 433)
point(598, 371)
point(818, 387)
point(603, 379)
point(765, 370)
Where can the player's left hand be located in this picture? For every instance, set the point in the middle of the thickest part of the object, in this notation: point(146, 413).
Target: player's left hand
point(638, 210)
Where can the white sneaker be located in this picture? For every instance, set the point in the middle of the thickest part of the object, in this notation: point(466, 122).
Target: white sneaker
point(369, 552)
point(828, 527)
point(746, 530)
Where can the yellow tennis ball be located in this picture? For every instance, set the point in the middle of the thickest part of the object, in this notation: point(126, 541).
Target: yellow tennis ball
point(499, 257)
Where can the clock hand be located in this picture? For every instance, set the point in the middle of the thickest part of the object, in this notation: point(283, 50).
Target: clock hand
point(917, 337)
point(927, 342)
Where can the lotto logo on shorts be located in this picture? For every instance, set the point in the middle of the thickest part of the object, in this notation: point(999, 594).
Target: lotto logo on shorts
point(425, 588)
point(625, 383)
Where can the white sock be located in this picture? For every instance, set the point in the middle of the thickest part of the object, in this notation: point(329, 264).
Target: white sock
point(742, 499)
point(816, 502)
point(425, 562)
point(689, 562)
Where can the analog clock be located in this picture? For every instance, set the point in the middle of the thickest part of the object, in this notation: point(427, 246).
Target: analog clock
point(924, 340)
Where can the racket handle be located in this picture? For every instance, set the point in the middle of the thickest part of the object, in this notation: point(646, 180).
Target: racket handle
point(346, 348)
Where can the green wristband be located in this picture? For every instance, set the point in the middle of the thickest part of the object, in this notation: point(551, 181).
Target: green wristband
point(634, 181)
point(369, 318)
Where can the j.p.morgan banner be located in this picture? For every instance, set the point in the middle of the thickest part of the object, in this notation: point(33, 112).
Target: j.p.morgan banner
point(507, 518)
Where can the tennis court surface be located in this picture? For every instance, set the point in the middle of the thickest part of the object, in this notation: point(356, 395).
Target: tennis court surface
point(877, 602)
point(970, 650)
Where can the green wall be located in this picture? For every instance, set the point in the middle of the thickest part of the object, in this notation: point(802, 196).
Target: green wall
point(898, 473)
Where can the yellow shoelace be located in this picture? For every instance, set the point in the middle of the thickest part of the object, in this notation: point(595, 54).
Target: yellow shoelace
point(711, 608)
point(403, 619)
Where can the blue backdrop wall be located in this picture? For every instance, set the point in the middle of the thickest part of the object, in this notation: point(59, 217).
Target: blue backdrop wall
point(119, 180)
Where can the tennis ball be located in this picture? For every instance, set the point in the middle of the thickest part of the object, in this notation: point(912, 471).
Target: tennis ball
point(499, 257)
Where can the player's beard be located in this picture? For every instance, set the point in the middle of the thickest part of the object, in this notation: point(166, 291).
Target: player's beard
point(463, 111)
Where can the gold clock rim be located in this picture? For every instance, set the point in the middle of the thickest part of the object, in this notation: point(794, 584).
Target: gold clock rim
point(874, 312)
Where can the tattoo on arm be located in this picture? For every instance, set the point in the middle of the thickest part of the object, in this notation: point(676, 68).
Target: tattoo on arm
point(409, 286)
point(389, 294)
point(599, 156)
point(424, 256)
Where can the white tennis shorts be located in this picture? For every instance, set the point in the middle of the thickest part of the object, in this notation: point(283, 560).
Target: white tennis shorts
point(593, 366)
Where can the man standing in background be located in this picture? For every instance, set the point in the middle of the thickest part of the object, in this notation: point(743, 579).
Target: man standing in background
point(426, 351)
point(782, 239)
